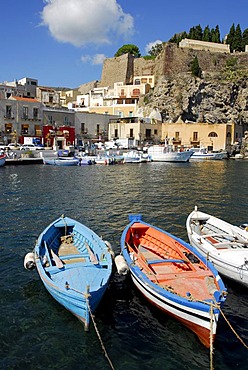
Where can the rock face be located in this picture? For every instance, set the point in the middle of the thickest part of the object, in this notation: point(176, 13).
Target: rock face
point(219, 96)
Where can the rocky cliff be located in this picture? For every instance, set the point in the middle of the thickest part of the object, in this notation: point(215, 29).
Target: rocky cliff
point(219, 96)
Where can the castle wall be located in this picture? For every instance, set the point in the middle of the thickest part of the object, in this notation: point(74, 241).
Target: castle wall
point(118, 69)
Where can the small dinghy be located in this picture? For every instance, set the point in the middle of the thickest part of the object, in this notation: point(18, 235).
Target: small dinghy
point(74, 264)
point(224, 244)
point(173, 276)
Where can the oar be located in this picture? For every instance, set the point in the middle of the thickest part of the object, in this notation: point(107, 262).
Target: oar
point(93, 258)
point(57, 260)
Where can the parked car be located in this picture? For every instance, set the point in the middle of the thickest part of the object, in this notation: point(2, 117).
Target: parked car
point(31, 147)
point(14, 146)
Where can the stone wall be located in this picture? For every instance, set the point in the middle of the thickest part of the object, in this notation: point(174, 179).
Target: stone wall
point(119, 69)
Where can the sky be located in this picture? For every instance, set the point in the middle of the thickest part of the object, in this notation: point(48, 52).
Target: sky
point(62, 43)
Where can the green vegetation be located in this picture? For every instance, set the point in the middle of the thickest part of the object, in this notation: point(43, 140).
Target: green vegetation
point(156, 50)
point(195, 68)
point(235, 38)
point(128, 48)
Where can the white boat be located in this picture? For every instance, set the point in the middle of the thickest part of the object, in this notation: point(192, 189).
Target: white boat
point(61, 161)
point(136, 156)
point(224, 244)
point(203, 154)
point(163, 153)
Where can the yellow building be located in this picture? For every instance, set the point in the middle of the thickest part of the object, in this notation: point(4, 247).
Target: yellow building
point(218, 136)
point(135, 130)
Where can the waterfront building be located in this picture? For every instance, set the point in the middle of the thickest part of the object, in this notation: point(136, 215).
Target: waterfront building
point(218, 136)
point(20, 117)
point(135, 131)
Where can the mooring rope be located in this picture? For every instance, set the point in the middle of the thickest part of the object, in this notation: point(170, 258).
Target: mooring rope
point(211, 337)
point(100, 339)
point(86, 295)
point(212, 306)
point(241, 340)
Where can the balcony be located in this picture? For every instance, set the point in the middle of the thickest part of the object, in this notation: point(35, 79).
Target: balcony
point(9, 116)
point(177, 141)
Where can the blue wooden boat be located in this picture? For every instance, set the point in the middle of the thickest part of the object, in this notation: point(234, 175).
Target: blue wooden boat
point(2, 160)
point(61, 161)
point(173, 276)
point(74, 264)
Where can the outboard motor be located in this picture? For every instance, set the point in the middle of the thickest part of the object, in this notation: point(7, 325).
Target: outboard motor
point(29, 261)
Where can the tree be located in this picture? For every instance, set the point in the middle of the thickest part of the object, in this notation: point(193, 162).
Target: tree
point(230, 37)
point(195, 68)
point(128, 48)
point(217, 34)
point(156, 50)
point(206, 34)
point(244, 39)
point(237, 39)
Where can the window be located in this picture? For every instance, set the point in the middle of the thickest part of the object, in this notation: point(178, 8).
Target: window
point(50, 119)
point(8, 111)
point(137, 81)
point(195, 136)
point(98, 129)
point(8, 128)
point(35, 113)
point(177, 135)
point(212, 134)
point(25, 113)
point(116, 132)
point(83, 130)
point(66, 120)
point(24, 130)
point(148, 133)
point(122, 92)
point(136, 92)
point(155, 132)
point(131, 132)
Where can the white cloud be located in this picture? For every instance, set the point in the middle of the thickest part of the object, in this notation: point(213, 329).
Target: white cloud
point(81, 22)
point(95, 59)
point(98, 59)
point(151, 44)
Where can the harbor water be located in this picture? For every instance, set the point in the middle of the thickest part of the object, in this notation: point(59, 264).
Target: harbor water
point(37, 333)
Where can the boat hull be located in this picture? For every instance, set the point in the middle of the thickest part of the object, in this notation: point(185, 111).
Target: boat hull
point(61, 161)
point(162, 281)
point(197, 321)
point(160, 154)
point(75, 273)
point(2, 161)
point(227, 253)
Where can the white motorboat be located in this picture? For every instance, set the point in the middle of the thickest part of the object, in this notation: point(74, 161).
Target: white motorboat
point(163, 153)
point(136, 156)
point(203, 154)
point(224, 244)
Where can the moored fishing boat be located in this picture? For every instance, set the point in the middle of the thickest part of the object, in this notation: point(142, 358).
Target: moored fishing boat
point(74, 264)
point(136, 156)
point(203, 154)
point(165, 153)
point(173, 276)
point(224, 244)
point(61, 161)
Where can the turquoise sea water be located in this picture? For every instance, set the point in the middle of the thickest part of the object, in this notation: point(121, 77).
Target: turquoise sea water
point(37, 333)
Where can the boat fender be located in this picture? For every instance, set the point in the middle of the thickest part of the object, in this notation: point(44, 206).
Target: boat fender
point(110, 249)
point(121, 265)
point(29, 261)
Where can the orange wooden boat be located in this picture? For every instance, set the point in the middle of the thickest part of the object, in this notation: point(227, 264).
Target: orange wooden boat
point(173, 276)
